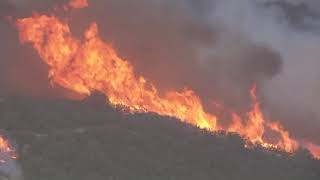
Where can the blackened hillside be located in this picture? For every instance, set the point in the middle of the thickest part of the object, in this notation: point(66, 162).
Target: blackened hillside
point(66, 140)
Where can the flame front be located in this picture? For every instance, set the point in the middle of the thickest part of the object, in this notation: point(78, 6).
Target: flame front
point(93, 65)
point(90, 64)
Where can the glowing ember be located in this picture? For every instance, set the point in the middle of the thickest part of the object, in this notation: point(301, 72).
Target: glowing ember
point(6, 148)
point(89, 65)
point(78, 4)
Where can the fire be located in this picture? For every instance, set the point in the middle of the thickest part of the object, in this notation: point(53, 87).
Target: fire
point(78, 4)
point(6, 148)
point(90, 64)
point(255, 125)
point(314, 150)
point(285, 142)
point(93, 65)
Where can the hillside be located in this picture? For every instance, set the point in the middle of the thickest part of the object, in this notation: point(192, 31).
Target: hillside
point(88, 140)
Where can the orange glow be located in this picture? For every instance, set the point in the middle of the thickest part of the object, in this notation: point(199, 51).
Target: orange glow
point(314, 149)
point(6, 148)
point(255, 124)
point(285, 142)
point(93, 65)
point(253, 128)
point(90, 64)
point(78, 4)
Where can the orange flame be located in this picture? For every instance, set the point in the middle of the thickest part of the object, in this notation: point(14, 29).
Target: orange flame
point(254, 128)
point(89, 65)
point(93, 65)
point(285, 141)
point(314, 150)
point(6, 148)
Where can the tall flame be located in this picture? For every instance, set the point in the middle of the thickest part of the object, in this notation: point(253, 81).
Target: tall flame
point(93, 65)
point(255, 125)
point(90, 64)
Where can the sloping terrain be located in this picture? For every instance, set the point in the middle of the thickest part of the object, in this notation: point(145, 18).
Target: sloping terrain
point(88, 140)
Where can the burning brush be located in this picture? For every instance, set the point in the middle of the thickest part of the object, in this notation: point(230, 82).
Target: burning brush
point(90, 64)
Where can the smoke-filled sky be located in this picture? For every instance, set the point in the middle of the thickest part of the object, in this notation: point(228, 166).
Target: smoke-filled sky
point(219, 48)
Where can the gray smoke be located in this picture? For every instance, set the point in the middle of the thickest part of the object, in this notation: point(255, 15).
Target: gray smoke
point(218, 48)
point(293, 31)
point(10, 169)
point(290, 28)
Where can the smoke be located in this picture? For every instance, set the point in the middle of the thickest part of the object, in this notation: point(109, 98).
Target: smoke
point(10, 169)
point(21, 70)
point(176, 45)
point(217, 48)
point(290, 28)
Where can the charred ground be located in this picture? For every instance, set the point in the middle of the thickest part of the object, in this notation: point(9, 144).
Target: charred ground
point(60, 139)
